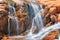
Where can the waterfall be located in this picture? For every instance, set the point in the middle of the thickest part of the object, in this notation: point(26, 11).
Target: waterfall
point(36, 18)
point(13, 25)
point(36, 15)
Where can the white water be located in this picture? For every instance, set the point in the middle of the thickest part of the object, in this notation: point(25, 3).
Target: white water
point(37, 20)
point(13, 21)
point(43, 33)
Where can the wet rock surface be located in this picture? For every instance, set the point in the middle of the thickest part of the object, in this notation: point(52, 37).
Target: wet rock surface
point(52, 16)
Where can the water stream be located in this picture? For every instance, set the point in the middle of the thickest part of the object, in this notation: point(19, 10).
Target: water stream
point(37, 19)
point(13, 22)
point(36, 22)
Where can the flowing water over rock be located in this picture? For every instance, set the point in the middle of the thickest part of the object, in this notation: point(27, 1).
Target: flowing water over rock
point(13, 25)
point(43, 33)
point(36, 22)
point(37, 18)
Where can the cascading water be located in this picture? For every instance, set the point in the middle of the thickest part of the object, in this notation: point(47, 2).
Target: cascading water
point(43, 33)
point(36, 22)
point(12, 21)
point(37, 18)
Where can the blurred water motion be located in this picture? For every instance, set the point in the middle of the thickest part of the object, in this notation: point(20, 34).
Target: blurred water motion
point(26, 21)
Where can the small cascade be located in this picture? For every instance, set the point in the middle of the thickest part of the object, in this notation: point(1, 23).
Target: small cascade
point(37, 18)
point(12, 21)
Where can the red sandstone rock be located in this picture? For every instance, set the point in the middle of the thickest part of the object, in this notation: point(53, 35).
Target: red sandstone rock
point(59, 17)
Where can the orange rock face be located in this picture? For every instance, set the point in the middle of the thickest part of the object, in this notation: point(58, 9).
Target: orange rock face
point(51, 36)
point(51, 3)
point(52, 10)
point(54, 6)
point(59, 17)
